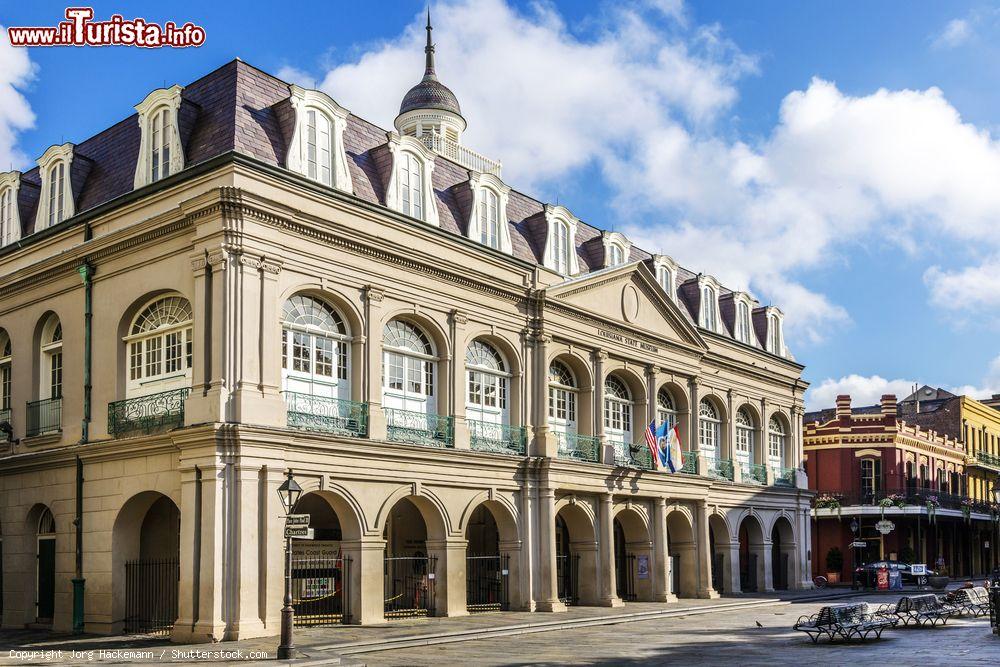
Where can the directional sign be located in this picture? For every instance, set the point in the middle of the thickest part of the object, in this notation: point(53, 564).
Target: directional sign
point(859, 545)
point(297, 520)
point(301, 532)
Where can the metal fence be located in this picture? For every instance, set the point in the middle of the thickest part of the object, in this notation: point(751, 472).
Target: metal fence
point(497, 438)
point(326, 415)
point(625, 578)
point(321, 590)
point(486, 583)
point(578, 447)
point(409, 586)
point(147, 414)
point(151, 596)
point(568, 578)
point(420, 428)
point(43, 417)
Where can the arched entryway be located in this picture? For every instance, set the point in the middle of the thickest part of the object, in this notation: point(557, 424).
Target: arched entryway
point(412, 569)
point(320, 567)
point(751, 556)
point(782, 554)
point(683, 555)
point(633, 557)
point(41, 527)
point(576, 555)
point(492, 559)
point(145, 564)
point(722, 558)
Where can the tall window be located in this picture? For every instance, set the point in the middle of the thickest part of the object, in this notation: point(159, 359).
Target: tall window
point(617, 255)
point(7, 205)
point(314, 349)
point(160, 347)
point(871, 479)
point(562, 398)
point(561, 247)
point(666, 412)
point(487, 377)
point(911, 480)
point(51, 381)
point(408, 365)
point(489, 219)
point(666, 279)
point(5, 371)
point(709, 429)
point(617, 411)
point(776, 443)
point(744, 436)
point(743, 322)
point(708, 317)
point(57, 194)
point(318, 147)
point(161, 135)
point(411, 185)
point(774, 341)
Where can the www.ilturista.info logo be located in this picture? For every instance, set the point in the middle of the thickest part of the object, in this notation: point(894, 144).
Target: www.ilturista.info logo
point(79, 29)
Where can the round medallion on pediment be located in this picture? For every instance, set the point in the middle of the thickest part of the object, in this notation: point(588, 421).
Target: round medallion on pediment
point(630, 303)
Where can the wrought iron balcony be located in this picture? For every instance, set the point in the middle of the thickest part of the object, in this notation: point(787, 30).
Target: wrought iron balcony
point(464, 156)
point(147, 414)
point(719, 468)
point(497, 438)
point(43, 416)
point(5, 415)
point(753, 473)
point(633, 456)
point(326, 415)
point(987, 460)
point(578, 447)
point(419, 428)
point(783, 476)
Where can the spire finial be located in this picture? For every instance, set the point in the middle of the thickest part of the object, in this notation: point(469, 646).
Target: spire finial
point(429, 49)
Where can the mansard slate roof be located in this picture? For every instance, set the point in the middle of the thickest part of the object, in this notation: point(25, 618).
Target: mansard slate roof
point(239, 108)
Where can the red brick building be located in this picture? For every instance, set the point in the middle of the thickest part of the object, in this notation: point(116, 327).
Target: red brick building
point(868, 464)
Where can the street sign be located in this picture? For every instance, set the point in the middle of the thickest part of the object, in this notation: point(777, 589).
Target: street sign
point(885, 526)
point(297, 520)
point(859, 545)
point(301, 532)
point(918, 569)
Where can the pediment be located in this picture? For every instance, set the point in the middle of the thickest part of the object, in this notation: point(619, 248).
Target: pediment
point(627, 296)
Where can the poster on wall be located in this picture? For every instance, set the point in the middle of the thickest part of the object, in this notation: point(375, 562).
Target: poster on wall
point(642, 567)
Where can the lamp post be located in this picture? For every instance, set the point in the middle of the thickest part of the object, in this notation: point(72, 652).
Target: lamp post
point(289, 492)
point(854, 539)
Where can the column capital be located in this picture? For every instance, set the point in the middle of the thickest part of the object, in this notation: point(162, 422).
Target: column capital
point(374, 295)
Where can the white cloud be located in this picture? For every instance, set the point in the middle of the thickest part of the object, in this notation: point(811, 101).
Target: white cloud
point(971, 289)
point(956, 32)
point(16, 71)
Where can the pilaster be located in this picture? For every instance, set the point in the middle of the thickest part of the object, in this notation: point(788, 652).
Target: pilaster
point(705, 589)
point(372, 379)
point(450, 583)
point(609, 590)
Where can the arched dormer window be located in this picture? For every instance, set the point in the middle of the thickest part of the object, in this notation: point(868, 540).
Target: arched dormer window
point(708, 316)
point(743, 323)
point(709, 430)
point(411, 178)
point(560, 241)
point(744, 436)
point(617, 255)
point(315, 349)
point(160, 151)
point(616, 248)
point(666, 275)
point(160, 350)
point(775, 336)
point(317, 148)
point(488, 218)
point(410, 190)
point(563, 393)
point(55, 202)
point(6, 355)
point(10, 219)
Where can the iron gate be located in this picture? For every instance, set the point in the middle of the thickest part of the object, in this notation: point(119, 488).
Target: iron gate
point(625, 577)
point(151, 596)
point(748, 577)
point(321, 590)
point(568, 578)
point(717, 565)
point(486, 583)
point(409, 586)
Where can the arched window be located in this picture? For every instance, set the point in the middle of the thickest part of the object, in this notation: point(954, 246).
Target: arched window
point(314, 349)
point(160, 347)
point(411, 171)
point(665, 276)
point(7, 205)
point(50, 382)
point(775, 344)
point(708, 319)
point(562, 398)
point(489, 219)
point(617, 255)
point(408, 368)
point(617, 411)
point(318, 148)
point(46, 523)
point(5, 375)
point(744, 436)
point(743, 322)
point(487, 377)
point(561, 246)
point(666, 411)
point(161, 135)
point(776, 443)
point(709, 429)
point(57, 194)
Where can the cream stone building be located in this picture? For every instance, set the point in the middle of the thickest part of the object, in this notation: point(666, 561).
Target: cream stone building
point(244, 279)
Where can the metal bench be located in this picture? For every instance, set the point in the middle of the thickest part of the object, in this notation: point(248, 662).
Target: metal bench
point(975, 601)
point(921, 609)
point(847, 621)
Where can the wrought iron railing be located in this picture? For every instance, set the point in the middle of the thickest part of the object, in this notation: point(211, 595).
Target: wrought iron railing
point(783, 476)
point(419, 428)
point(43, 416)
point(460, 154)
point(5, 415)
point(690, 460)
point(719, 468)
point(147, 414)
point(987, 459)
point(753, 473)
point(633, 456)
point(326, 415)
point(579, 447)
point(896, 498)
point(497, 438)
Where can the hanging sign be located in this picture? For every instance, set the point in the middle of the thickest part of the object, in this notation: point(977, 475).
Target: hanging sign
point(884, 526)
point(297, 520)
point(300, 532)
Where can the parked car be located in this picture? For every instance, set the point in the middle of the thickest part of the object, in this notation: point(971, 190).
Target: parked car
point(867, 574)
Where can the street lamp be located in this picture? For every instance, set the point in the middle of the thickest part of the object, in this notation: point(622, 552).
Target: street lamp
point(289, 492)
point(854, 539)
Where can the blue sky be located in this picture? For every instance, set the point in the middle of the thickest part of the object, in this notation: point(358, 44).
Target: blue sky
point(838, 159)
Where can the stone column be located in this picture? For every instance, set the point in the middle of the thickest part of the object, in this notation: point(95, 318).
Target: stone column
point(449, 581)
point(373, 366)
point(272, 537)
point(190, 555)
point(545, 442)
point(606, 540)
point(366, 583)
point(607, 452)
point(660, 574)
point(456, 397)
point(514, 573)
point(705, 589)
point(732, 567)
point(549, 584)
point(249, 564)
point(765, 573)
point(210, 393)
point(692, 427)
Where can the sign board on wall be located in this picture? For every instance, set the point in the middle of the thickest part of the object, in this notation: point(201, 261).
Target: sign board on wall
point(316, 548)
point(642, 567)
point(918, 569)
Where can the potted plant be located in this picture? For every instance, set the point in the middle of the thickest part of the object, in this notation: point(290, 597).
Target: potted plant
point(834, 564)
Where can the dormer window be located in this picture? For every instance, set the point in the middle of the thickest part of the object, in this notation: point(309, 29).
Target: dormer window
point(560, 243)
point(743, 322)
point(317, 138)
point(488, 217)
point(316, 149)
point(709, 304)
point(56, 201)
point(666, 275)
point(411, 180)
point(617, 255)
point(410, 190)
point(160, 152)
point(10, 221)
point(775, 340)
point(616, 248)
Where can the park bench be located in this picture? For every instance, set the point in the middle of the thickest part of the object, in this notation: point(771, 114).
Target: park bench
point(975, 601)
point(921, 609)
point(847, 621)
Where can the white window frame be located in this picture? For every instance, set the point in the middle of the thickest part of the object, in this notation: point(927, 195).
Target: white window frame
point(775, 333)
point(563, 401)
point(321, 106)
point(417, 373)
point(163, 148)
point(404, 150)
point(618, 411)
point(745, 435)
point(150, 348)
point(709, 429)
point(10, 215)
point(52, 363)
point(666, 411)
point(483, 186)
point(566, 262)
point(6, 367)
point(777, 440)
point(708, 311)
point(55, 201)
point(617, 249)
point(487, 386)
point(743, 319)
point(666, 275)
point(302, 373)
